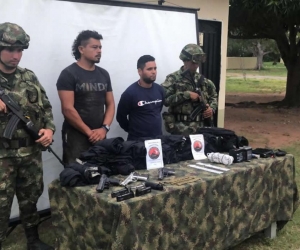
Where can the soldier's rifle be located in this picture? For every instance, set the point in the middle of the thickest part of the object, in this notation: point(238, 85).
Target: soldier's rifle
point(202, 104)
point(17, 116)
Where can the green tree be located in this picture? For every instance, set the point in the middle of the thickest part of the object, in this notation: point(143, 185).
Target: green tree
point(272, 19)
point(250, 47)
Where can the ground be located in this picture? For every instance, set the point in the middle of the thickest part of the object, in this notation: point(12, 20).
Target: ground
point(262, 124)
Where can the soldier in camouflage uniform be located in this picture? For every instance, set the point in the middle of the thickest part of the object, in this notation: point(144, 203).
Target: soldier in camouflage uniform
point(21, 170)
point(183, 96)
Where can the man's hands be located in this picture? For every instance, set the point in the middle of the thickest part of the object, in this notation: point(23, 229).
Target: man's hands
point(97, 135)
point(194, 96)
point(3, 107)
point(208, 112)
point(46, 137)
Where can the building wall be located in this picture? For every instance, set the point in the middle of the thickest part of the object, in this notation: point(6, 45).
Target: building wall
point(241, 62)
point(210, 10)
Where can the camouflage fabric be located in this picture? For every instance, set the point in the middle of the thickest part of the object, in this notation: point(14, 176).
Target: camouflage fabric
point(192, 52)
point(26, 90)
point(181, 128)
point(215, 212)
point(23, 177)
point(177, 89)
point(13, 35)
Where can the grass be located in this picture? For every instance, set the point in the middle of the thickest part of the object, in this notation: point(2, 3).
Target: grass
point(266, 81)
point(288, 238)
point(268, 70)
point(262, 86)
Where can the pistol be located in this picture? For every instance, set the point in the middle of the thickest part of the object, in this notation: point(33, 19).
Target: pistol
point(105, 182)
point(164, 172)
point(133, 177)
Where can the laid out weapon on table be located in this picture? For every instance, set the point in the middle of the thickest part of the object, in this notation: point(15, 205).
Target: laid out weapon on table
point(155, 186)
point(125, 196)
point(92, 170)
point(202, 104)
point(141, 190)
point(127, 192)
point(164, 172)
point(105, 182)
point(133, 177)
point(16, 118)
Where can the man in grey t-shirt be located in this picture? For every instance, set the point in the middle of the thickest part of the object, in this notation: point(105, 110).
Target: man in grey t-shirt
point(86, 97)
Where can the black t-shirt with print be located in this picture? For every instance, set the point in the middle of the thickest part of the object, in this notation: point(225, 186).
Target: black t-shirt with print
point(90, 89)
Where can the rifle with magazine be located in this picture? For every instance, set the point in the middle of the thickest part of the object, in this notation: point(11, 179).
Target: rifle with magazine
point(202, 104)
point(17, 116)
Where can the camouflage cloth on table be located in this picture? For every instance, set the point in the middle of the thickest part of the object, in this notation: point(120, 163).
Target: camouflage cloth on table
point(214, 213)
point(177, 88)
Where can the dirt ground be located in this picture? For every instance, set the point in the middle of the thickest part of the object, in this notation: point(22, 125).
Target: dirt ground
point(262, 124)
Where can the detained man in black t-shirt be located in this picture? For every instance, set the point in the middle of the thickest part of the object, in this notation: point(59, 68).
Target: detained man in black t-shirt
point(139, 109)
point(86, 96)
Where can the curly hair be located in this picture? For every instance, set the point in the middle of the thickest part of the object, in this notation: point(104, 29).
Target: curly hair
point(81, 40)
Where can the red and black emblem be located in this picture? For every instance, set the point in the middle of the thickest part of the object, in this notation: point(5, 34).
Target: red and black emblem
point(197, 146)
point(154, 153)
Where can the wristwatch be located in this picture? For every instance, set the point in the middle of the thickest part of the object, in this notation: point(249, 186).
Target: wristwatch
point(107, 127)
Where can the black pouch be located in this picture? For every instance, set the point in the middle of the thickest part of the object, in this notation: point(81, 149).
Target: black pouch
point(279, 152)
point(264, 152)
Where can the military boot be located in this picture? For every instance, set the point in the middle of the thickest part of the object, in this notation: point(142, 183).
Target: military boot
point(0, 246)
point(33, 240)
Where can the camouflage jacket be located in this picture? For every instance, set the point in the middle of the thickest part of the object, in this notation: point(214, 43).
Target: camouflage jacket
point(27, 91)
point(178, 88)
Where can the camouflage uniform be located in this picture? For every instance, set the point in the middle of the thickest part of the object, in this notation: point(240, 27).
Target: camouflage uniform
point(21, 170)
point(178, 87)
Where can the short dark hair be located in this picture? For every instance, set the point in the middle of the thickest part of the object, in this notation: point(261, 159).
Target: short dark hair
point(143, 60)
point(81, 40)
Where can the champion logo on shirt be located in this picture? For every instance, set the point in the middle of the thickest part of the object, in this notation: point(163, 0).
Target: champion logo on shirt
point(143, 103)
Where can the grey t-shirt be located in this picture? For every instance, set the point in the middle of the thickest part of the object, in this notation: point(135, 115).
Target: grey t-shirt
point(90, 89)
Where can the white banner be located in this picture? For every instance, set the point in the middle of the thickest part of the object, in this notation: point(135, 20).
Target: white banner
point(128, 34)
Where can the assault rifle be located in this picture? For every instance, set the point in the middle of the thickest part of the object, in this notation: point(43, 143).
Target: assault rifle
point(17, 116)
point(202, 104)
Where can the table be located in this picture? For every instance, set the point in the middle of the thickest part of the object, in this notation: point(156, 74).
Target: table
point(215, 212)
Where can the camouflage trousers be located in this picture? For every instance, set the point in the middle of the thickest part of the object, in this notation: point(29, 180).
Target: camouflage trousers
point(74, 143)
point(183, 128)
point(22, 176)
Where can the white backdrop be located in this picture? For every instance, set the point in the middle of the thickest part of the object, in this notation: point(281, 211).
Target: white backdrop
point(128, 33)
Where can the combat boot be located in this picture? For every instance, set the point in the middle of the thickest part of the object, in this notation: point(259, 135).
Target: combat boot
point(33, 240)
point(0, 245)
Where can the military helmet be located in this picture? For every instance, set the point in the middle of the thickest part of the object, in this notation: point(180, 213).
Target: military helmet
point(13, 35)
point(192, 52)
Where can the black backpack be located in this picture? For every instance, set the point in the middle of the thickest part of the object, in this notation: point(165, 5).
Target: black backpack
point(221, 139)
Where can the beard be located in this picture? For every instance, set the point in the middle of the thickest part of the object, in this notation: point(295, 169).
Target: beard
point(8, 67)
point(149, 80)
point(97, 60)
